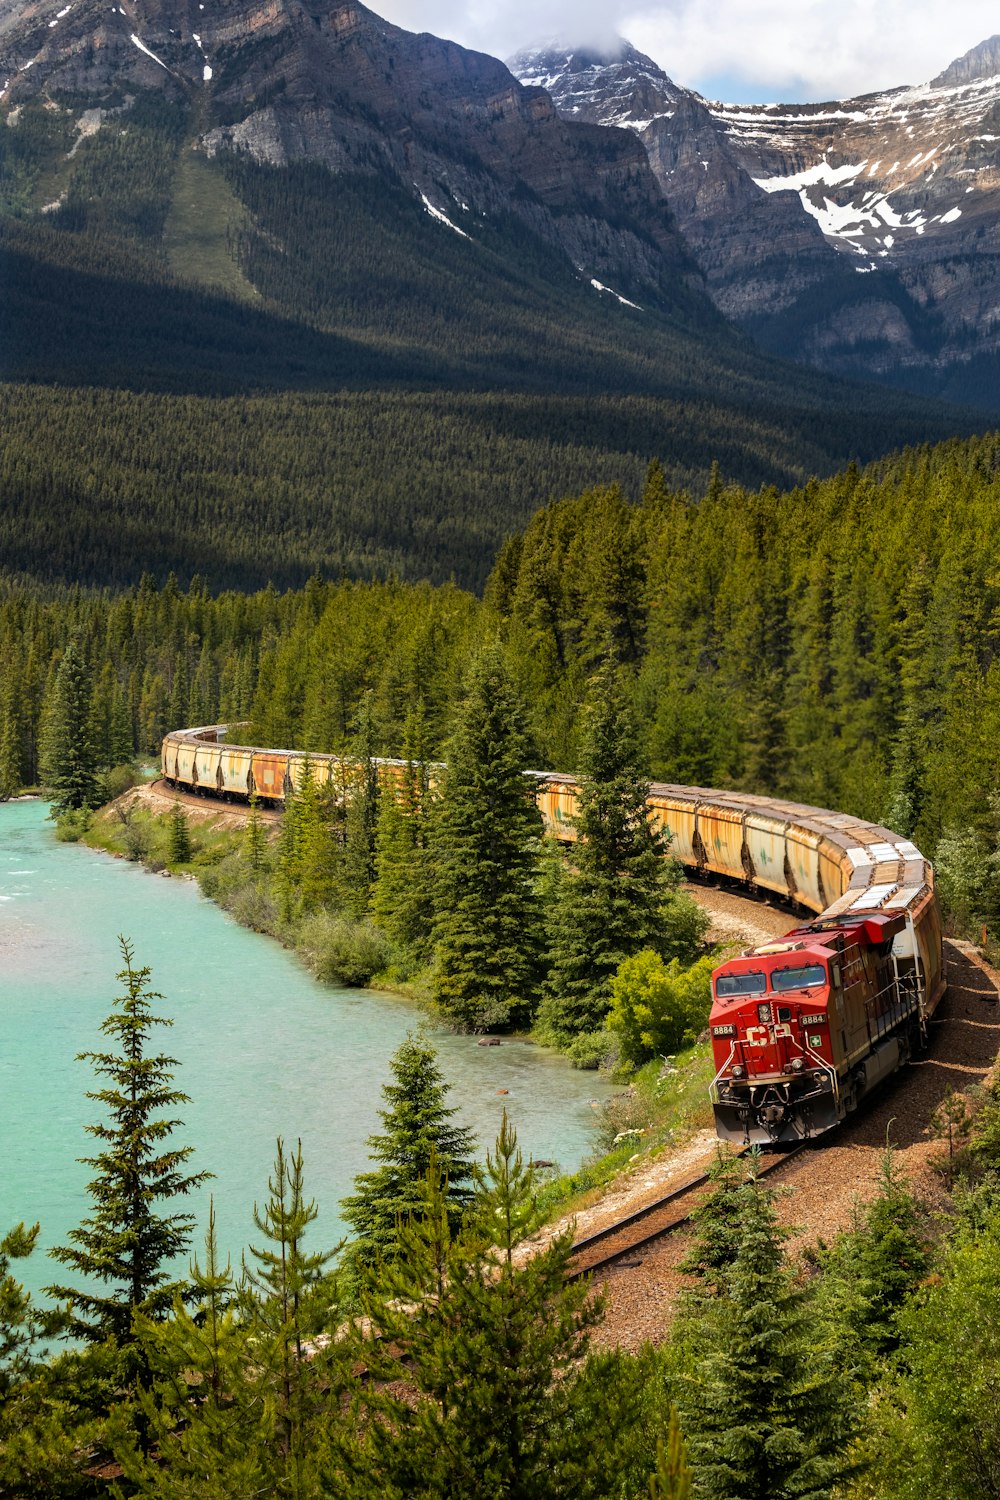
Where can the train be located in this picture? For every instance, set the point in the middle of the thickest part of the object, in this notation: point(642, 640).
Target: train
point(802, 1029)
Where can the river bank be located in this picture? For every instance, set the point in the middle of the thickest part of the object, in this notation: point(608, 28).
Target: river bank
point(263, 1049)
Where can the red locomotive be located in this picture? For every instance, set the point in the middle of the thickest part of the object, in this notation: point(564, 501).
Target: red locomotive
point(802, 1029)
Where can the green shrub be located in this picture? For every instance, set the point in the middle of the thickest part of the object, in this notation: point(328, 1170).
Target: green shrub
point(339, 950)
point(657, 1008)
point(119, 780)
point(72, 825)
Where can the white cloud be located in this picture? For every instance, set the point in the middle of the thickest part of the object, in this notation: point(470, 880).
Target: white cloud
point(794, 49)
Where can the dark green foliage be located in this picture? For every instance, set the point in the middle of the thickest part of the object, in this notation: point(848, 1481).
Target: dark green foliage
point(255, 842)
point(870, 1273)
point(487, 932)
point(672, 1480)
point(127, 1246)
point(609, 905)
point(937, 1430)
point(179, 847)
point(418, 1132)
point(403, 895)
point(285, 1305)
point(718, 1224)
point(362, 815)
point(23, 1324)
point(490, 1347)
point(69, 758)
point(766, 1414)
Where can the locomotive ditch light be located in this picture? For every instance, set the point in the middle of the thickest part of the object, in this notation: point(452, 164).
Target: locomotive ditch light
point(797, 1065)
point(739, 1071)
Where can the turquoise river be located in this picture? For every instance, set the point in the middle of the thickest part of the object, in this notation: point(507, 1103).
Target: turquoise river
point(262, 1049)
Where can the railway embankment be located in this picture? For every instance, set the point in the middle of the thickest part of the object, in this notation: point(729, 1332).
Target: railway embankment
point(824, 1184)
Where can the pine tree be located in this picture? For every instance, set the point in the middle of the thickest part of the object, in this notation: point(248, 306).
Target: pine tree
point(286, 1304)
point(402, 899)
point(418, 1129)
point(127, 1245)
point(362, 816)
point(765, 1413)
point(870, 1273)
point(672, 1480)
point(255, 841)
point(22, 1322)
point(610, 907)
point(179, 847)
point(490, 1347)
point(69, 759)
point(488, 923)
point(10, 751)
point(204, 1410)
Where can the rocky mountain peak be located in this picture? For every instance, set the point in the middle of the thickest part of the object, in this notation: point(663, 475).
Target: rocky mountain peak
point(611, 85)
point(981, 62)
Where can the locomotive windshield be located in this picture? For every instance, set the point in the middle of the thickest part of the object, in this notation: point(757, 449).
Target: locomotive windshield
point(728, 985)
point(798, 979)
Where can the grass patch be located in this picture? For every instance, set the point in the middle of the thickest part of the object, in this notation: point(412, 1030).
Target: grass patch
point(204, 212)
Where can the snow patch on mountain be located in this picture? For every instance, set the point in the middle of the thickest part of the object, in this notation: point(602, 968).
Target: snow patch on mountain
point(436, 213)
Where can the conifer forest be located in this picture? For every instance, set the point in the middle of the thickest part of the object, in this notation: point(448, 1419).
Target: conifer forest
point(280, 452)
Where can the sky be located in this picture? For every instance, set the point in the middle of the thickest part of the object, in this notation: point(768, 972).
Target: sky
point(750, 51)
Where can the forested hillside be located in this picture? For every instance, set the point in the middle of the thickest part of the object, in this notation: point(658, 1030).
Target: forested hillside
point(251, 372)
point(834, 643)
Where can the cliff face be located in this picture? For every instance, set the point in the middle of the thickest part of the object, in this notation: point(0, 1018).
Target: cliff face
point(331, 82)
point(859, 235)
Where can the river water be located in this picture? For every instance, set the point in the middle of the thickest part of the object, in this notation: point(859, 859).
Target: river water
point(262, 1049)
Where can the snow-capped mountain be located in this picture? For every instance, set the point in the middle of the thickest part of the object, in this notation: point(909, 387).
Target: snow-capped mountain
point(860, 234)
point(332, 82)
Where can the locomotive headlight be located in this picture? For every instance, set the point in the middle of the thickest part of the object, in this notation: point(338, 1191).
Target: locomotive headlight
point(739, 1071)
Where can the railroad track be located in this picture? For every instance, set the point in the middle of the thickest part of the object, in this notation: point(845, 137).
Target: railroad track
point(662, 1217)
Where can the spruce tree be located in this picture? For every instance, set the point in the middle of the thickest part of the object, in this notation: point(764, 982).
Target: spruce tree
point(286, 1304)
point(487, 930)
point(127, 1245)
point(672, 1480)
point(255, 842)
point(766, 1413)
point(179, 848)
point(402, 898)
point(476, 1374)
point(610, 904)
point(362, 816)
point(418, 1130)
point(69, 758)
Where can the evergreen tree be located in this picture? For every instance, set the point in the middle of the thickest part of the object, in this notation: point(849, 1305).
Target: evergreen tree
point(127, 1245)
point(286, 1305)
point(69, 759)
point(179, 848)
point(488, 924)
point(766, 1414)
point(10, 751)
point(870, 1273)
point(418, 1130)
point(255, 842)
point(22, 1322)
point(490, 1346)
point(402, 899)
point(206, 1419)
point(362, 817)
point(672, 1480)
point(610, 907)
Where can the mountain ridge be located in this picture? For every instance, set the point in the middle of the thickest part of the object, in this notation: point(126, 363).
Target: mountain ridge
point(784, 205)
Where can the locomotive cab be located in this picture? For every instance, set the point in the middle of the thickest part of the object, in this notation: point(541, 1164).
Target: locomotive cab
point(803, 1027)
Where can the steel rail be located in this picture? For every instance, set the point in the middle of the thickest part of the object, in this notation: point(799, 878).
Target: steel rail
point(622, 1226)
